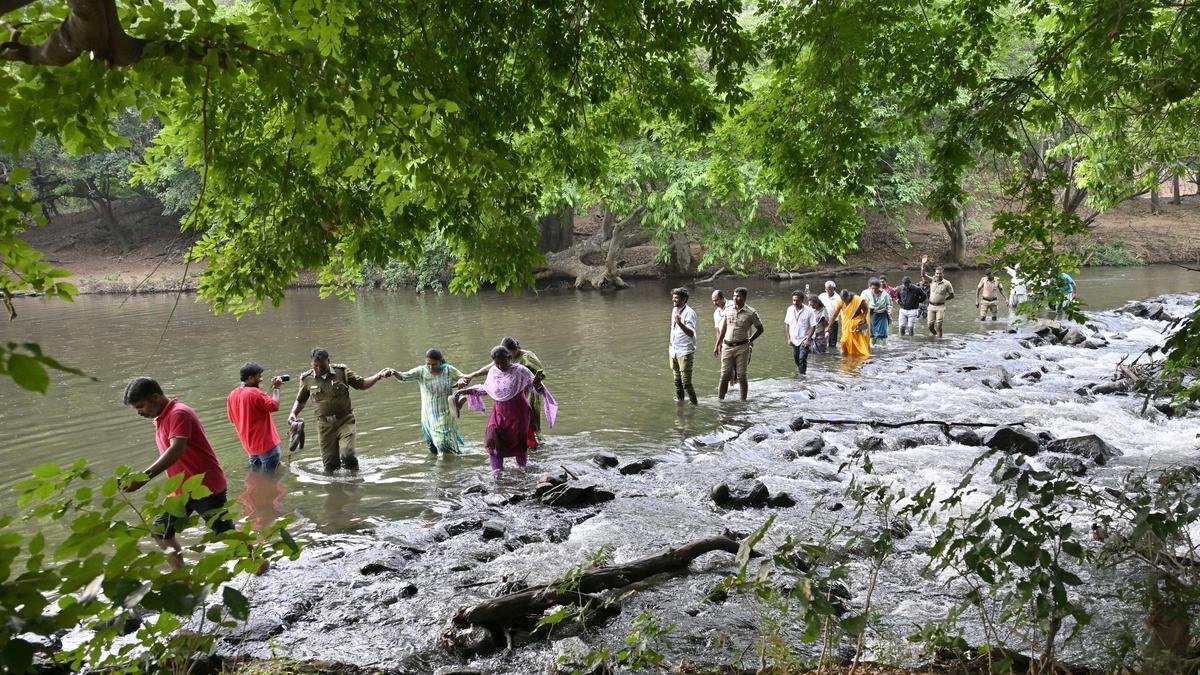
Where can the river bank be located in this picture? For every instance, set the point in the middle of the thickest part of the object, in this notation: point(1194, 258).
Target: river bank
point(385, 597)
point(1127, 235)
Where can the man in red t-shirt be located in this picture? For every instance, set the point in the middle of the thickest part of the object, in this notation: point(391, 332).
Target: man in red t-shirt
point(182, 448)
point(250, 409)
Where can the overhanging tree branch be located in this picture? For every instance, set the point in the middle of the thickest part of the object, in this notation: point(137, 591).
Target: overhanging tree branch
point(91, 26)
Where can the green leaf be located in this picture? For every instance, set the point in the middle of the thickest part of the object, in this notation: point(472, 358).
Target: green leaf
point(236, 603)
point(28, 373)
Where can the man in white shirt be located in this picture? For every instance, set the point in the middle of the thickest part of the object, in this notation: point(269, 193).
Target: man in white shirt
point(801, 323)
point(1018, 291)
point(719, 301)
point(829, 300)
point(683, 344)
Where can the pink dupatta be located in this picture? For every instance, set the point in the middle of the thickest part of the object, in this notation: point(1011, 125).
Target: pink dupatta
point(503, 385)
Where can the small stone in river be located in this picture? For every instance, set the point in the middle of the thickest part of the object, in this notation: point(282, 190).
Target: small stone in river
point(836, 506)
point(807, 443)
point(1032, 376)
point(493, 529)
point(1093, 343)
point(781, 500)
point(1110, 387)
point(638, 466)
point(871, 443)
point(471, 640)
point(1012, 440)
point(1070, 465)
point(376, 567)
point(798, 423)
point(407, 590)
point(720, 494)
point(900, 528)
point(996, 378)
point(759, 436)
point(473, 489)
point(1012, 356)
point(1089, 446)
point(967, 437)
point(605, 459)
point(1074, 337)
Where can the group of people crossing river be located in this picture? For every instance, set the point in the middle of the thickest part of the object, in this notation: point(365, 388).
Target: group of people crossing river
point(830, 321)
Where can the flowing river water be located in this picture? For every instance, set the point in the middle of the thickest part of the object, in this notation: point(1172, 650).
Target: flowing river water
point(606, 363)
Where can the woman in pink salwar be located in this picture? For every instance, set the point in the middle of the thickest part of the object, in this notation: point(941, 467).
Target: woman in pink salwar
point(509, 430)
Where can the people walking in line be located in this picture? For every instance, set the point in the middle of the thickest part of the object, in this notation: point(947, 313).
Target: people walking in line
point(719, 303)
point(829, 300)
point(682, 344)
point(988, 294)
point(854, 317)
point(527, 358)
point(509, 431)
point(436, 379)
point(887, 288)
point(1066, 288)
point(734, 343)
point(910, 297)
point(941, 291)
point(818, 343)
point(330, 385)
point(182, 449)
point(800, 324)
point(249, 409)
point(879, 302)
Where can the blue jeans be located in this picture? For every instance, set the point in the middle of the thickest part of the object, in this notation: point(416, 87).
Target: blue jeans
point(800, 354)
point(268, 461)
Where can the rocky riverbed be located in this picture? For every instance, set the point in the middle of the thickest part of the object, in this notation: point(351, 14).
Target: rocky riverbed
point(385, 597)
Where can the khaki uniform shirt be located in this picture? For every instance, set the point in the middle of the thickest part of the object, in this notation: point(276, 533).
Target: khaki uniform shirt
point(990, 290)
point(331, 392)
point(940, 291)
point(739, 322)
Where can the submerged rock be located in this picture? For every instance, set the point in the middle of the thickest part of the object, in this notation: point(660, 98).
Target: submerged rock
point(1011, 439)
point(605, 459)
point(912, 438)
point(740, 495)
point(1070, 465)
point(967, 437)
point(781, 500)
point(798, 423)
point(807, 443)
point(638, 466)
point(1089, 446)
point(996, 377)
point(871, 442)
point(575, 493)
point(493, 529)
point(1073, 337)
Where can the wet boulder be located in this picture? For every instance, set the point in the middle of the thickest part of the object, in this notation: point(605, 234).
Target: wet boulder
point(1012, 356)
point(493, 529)
point(740, 495)
point(798, 423)
point(996, 377)
point(380, 567)
point(967, 437)
point(1068, 465)
point(806, 443)
point(1093, 343)
point(913, 438)
point(781, 500)
point(1012, 440)
point(1047, 329)
point(871, 442)
point(1155, 311)
point(638, 466)
point(1032, 376)
point(1073, 337)
point(575, 493)
point(605, 460)
point(547, 481)
point(1089, 446)
point(759, 436)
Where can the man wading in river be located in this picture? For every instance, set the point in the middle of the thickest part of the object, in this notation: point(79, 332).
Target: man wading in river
point(249, 409)
point(182, 448)
point(682, 348)
point(988, 294)
point(735, 342)
point(330, 387)
point(940, 292)
point(719, 302)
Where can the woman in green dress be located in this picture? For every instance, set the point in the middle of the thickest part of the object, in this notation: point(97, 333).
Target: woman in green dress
point(436, 379)
point(530, 361)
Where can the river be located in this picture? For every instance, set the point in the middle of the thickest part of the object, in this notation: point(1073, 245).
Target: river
point(606, 361)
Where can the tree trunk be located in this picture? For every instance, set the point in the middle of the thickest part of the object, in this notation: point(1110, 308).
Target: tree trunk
point(108, 217)
point(557, 230)
point(606, 225)
point(956, 228)
point(1175, 196)
point(1155, 205)
point(680, 261)
point(570, 262)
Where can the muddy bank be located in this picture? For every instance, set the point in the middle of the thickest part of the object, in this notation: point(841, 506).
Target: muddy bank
point(385, 597)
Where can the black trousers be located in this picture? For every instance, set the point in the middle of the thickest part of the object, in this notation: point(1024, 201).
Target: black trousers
point(800, 354)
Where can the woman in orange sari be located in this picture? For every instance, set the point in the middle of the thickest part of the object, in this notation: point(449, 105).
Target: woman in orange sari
point(853, 313)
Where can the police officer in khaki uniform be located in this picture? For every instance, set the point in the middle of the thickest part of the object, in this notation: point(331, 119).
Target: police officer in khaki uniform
point(329, 385)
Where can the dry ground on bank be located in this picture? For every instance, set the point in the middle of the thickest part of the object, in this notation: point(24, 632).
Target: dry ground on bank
point(78, 243)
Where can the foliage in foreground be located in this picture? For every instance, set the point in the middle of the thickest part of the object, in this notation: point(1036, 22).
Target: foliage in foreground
point(80, 559)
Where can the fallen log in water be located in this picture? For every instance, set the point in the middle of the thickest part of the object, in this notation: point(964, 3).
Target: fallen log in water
point(944, 424)
point(520, 607)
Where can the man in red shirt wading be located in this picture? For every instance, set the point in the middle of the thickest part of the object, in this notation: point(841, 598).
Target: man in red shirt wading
point(250, 411)
point(182, 448)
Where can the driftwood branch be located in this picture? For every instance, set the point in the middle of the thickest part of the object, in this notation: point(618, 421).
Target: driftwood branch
point(836, 272)
point(711, 279)
point(530, 603)
point(944, 424)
